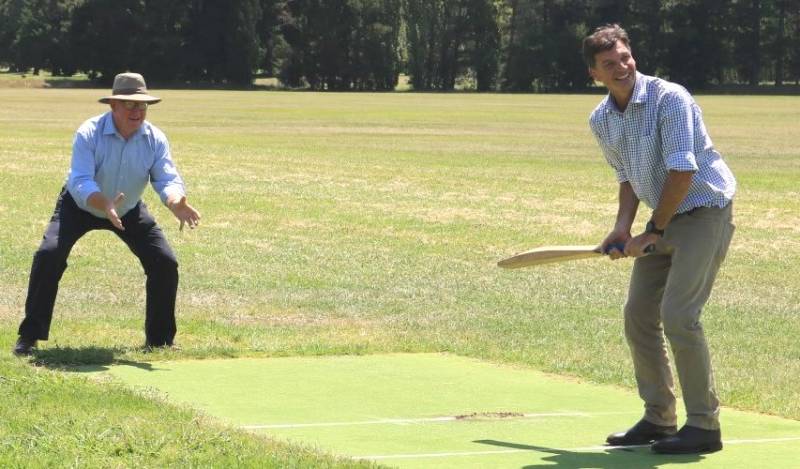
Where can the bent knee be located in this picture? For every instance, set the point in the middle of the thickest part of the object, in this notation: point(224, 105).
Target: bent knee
point(678, 322)
point(51, 254)
point(161, 264)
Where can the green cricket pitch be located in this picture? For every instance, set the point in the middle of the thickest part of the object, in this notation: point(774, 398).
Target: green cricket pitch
point(438, 410)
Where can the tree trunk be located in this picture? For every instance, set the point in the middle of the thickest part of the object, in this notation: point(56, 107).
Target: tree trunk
point(780, 43)
point(755, 70)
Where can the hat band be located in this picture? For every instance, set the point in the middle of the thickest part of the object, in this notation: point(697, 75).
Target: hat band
point(129, 91)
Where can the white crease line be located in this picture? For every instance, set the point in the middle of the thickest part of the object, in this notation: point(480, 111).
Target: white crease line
point(763, 440)
point(408, 421)
point(555, 450)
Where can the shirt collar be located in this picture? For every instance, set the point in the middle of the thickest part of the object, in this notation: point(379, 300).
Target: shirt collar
point(638, 96)
point(110, 129)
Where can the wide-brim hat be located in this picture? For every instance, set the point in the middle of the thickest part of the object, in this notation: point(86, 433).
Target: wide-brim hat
point(130, 87)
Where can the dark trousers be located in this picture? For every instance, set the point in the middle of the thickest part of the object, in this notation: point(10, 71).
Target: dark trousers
point(144, 238)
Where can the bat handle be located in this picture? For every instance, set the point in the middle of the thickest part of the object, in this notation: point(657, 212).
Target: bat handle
point(618, 246)
point(621, 247)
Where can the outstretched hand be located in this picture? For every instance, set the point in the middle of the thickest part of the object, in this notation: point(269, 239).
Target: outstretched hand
point(184, 212)
point(111, 211)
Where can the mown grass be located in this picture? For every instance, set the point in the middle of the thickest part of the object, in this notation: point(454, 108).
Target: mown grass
point(363, 223)
point(53, 420)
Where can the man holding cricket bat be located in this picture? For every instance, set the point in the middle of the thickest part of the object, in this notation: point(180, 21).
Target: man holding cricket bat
point(652, 133)
point(114, 156)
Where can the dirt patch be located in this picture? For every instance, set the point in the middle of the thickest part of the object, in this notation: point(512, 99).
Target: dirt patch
point(489, 415)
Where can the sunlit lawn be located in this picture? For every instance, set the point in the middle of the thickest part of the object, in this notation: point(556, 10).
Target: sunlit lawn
point(361, 223)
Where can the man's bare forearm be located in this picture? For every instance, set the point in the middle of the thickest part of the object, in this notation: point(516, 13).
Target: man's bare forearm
point(675, 190)
point(628, 205)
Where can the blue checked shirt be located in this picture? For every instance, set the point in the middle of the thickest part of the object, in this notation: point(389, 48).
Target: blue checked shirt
point(662, 130)
point(103, 161)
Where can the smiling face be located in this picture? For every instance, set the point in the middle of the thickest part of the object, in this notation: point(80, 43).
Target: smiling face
point(616, 69)
point(128, 116)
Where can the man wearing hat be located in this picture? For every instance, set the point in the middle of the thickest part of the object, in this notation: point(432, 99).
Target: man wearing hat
point(114, 156)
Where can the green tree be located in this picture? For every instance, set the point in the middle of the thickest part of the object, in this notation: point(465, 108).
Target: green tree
point(105, 37)
point(793, 43)
point(747, 18)
point(161, 44)
point(448, 39)
point(518, 68)
point(318, 32)
point(342, 44)
point(559, 63)
point(778, 30)
point(35, 35)
point(221, 40)
point(543, 48)
point(272, 46)
point(11, 12)
point(695, 41)
point(483, 42)
point(422, 23)
point(375, 57)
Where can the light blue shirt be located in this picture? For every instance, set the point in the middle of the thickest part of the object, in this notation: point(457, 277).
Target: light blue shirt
point(662, 130)
point(103, 161)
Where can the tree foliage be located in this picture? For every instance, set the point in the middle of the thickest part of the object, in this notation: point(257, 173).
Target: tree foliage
point(451, 38)
point(514, 45)
point(342, 44)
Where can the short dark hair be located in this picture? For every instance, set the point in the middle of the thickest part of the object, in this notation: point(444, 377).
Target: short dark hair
point(602, 39)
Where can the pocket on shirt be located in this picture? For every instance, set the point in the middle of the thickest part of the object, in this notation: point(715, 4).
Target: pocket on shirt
point(144, 161)
point(648, 144)
point(648, 129)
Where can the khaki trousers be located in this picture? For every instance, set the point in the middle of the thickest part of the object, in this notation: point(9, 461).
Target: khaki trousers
point(667, 293)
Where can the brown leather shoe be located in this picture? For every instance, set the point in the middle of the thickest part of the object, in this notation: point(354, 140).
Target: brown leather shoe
point(690, 440)
point(643, 433)
point(24, 346)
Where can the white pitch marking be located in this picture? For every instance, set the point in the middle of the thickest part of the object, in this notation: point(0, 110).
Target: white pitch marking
point(762, 440)
point(407, 421)
point(557, 450)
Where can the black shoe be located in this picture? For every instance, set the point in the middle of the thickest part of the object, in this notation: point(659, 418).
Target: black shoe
point(643, 433)
point(24, 346)
point(149, 346)
point(690, 440)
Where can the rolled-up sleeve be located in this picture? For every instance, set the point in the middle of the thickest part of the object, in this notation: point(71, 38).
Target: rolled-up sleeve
point(81, 182)
point(677, 132)
point(164, 175)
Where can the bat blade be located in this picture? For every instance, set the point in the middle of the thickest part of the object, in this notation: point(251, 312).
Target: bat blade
point(549, 254)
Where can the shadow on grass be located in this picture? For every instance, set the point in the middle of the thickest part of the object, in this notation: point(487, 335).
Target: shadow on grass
point(612, 458)
point(84, 359)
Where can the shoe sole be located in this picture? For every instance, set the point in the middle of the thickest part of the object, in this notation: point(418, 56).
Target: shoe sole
point(629, 443)
point(638, 442)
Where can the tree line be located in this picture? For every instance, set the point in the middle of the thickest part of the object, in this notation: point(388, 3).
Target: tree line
point(508, 45)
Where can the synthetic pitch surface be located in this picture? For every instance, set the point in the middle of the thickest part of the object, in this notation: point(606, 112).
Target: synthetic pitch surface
point(438, 410)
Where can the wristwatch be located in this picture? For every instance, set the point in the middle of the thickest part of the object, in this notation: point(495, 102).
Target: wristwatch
point(651, 228)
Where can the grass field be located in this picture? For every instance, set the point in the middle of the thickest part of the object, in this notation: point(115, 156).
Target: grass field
point(365, 223)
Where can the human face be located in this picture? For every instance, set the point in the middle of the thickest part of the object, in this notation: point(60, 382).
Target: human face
point(128, 120)
point(616, 69)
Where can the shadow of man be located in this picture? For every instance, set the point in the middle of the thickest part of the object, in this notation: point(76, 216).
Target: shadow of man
point(639, 457)
point(83, 359)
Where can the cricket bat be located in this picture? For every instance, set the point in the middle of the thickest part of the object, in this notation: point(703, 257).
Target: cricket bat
point(549, 254)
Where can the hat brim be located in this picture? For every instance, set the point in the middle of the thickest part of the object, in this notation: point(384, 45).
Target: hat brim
point(146, 98)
